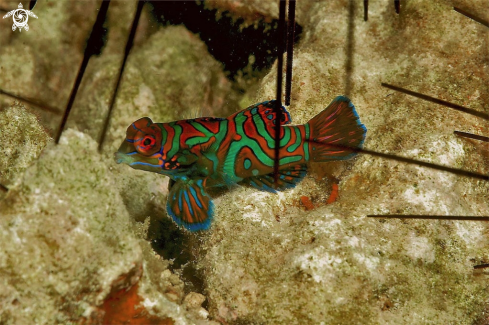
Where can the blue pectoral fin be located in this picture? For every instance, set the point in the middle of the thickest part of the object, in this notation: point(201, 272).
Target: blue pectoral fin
point(287, 178)
point(189, 205)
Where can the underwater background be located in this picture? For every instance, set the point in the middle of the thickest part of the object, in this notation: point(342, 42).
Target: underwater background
point(87, 241)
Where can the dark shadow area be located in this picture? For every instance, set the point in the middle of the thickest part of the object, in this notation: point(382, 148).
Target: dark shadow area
point(194, 281)
point(226, 38)
point(176, 244)
point(169, 241)
point(173, 243)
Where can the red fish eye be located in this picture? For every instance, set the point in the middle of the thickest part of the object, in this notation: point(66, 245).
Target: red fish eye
point(147, 143)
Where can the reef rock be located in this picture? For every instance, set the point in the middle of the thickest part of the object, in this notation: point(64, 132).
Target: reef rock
point(69, 245)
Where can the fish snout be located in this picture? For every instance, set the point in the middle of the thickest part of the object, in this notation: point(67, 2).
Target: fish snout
point(119, 157)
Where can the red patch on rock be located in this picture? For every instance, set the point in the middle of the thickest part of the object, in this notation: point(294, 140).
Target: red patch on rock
point(334, 194)
point(306, 202)
point(124, 307)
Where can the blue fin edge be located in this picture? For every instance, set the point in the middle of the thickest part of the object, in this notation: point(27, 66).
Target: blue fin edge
point(192, 226)
point(343, 98)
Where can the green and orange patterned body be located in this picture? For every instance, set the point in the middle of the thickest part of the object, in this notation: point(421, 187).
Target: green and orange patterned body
point(209, 152)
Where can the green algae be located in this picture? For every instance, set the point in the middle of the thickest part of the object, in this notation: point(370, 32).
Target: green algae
point(22, 140)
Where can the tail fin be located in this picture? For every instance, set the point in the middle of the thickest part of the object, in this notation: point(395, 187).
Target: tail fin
point(334, 131)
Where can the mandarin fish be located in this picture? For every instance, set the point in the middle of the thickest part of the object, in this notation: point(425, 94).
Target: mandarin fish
point(202, 153)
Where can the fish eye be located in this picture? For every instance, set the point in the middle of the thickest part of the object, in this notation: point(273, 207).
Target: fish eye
point(146, 144)
point(147, 141)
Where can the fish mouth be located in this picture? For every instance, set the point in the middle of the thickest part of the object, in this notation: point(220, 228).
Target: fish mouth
point(121, 155)
point(121, 158)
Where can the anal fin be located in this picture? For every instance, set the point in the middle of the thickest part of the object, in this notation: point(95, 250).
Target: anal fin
point(189, 205)
point(287, 178)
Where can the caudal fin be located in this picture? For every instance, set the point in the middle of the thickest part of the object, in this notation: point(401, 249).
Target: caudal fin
point(334, 131)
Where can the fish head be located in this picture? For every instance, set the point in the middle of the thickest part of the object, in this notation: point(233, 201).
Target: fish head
point(142, 147)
